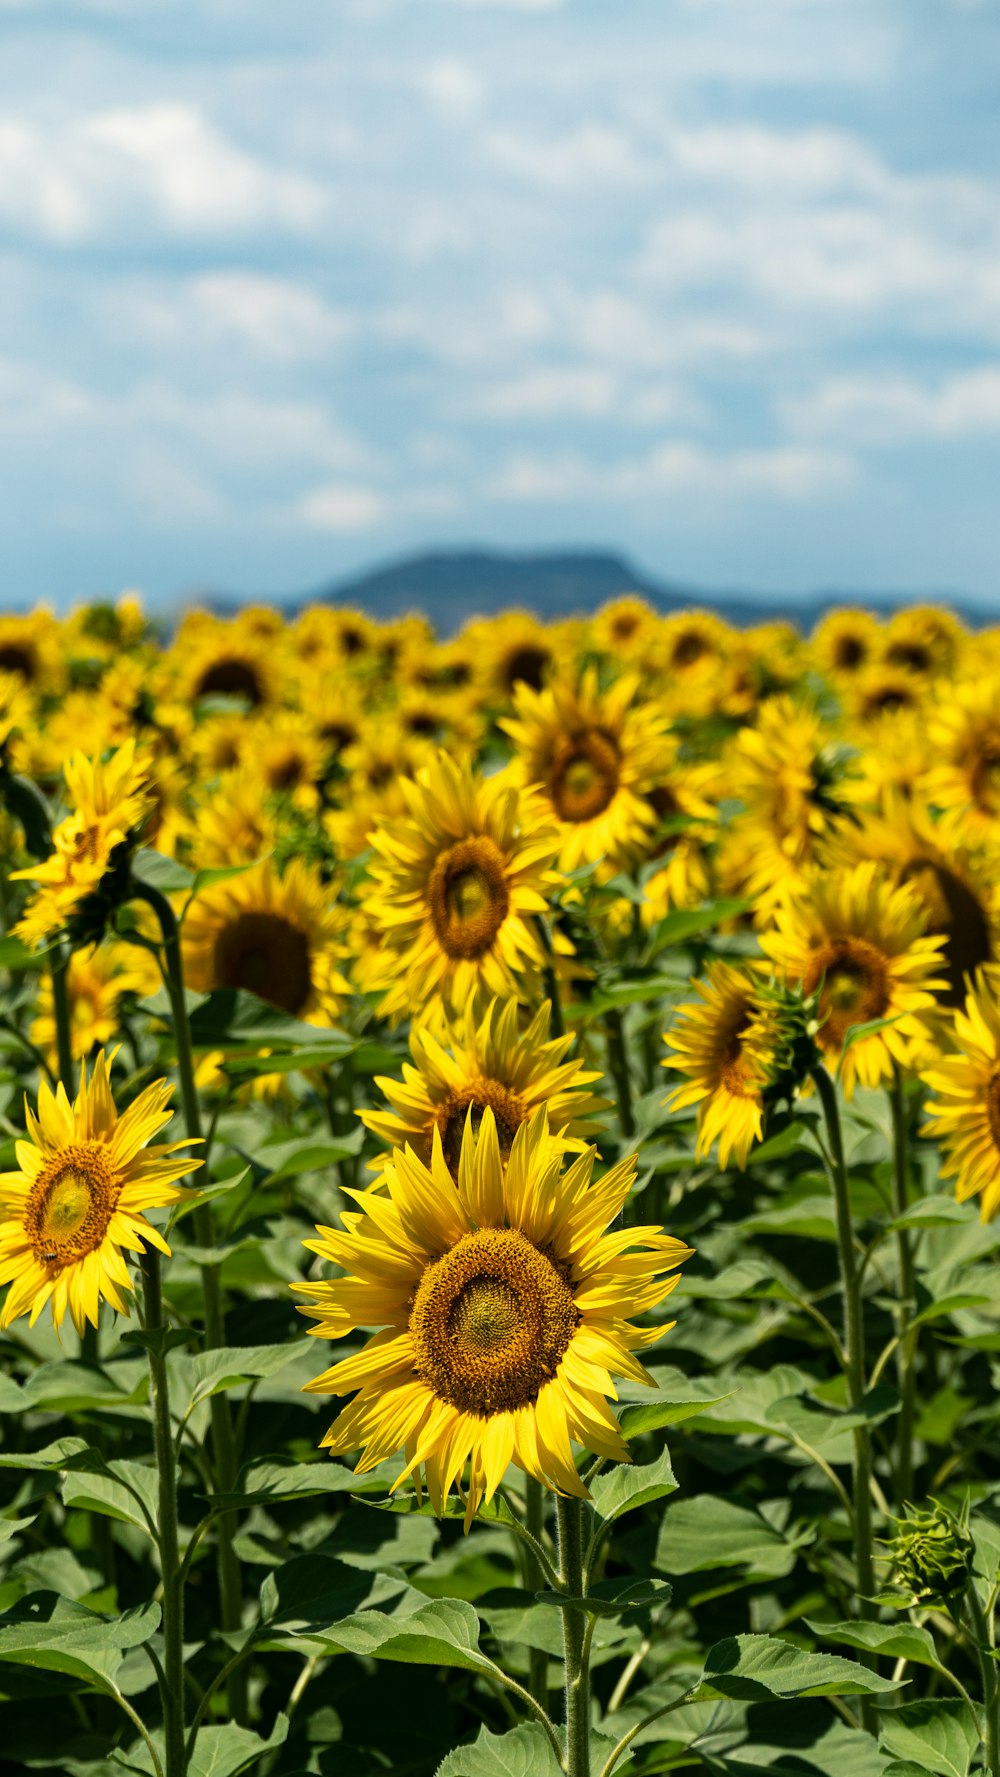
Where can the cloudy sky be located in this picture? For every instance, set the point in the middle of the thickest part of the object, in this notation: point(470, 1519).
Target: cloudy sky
point(286, 290)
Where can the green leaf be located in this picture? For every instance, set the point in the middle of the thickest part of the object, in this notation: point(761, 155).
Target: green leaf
point(159, 1340)
point(65, 1453)
point(113, 1494)
point(15, 955)
point(747, 1667)
point(675, 1400)
point(443, 1632)
point(291, 1158)
point(163, 873)
point(795, 1137)
point(56, 1635)
point(218, 1752)
point(709, 1531)
point(612, 1598)
point(626, 1487)
point(208, 877)
point(898, 1641)
point(319, 1589)
point(261, 1483)
point(525, 1751)
point(788, 1739)
point(934, 1735)
point(232, 1366)
point(77, 1388)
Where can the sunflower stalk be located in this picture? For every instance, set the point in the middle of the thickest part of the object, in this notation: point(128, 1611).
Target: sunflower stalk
point(223, 1440)
point(854, 1353)
point(576, 1650)
point(534, 1580)
point(172, 1687)
point(984, 1634)
point(906, 1351)
point(618, 1064)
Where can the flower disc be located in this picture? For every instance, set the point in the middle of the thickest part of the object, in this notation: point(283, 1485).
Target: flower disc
point(468, 896)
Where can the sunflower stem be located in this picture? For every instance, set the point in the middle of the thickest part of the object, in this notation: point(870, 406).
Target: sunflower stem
point(906, 1351)
point(618, 1064)
point(569, 1513)
point(550, 977)
point(60, 1006)
point(167, 1534)
point(982, 1628)
point(534, 1580)
point(854, 1353)
point(223, 1440)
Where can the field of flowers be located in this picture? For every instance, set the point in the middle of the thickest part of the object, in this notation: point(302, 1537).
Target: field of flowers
point(501, 1139)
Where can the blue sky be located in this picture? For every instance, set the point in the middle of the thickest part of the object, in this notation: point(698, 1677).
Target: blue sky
point(287, 290)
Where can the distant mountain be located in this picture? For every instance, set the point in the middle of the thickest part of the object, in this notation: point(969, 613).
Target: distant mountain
point(451, 585)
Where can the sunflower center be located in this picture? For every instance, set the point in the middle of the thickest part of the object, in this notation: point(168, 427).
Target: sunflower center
point(263, 953)
point(666, 807)
point(490, 1322)
point(954, 911)
point(985, 776)
point(230, 678)
point(849, 653)
point(287, 771)
point(527, 666)
point(71, 1204)
point(688, 649)
point(993, 1105)
point(737, 1072)
point(452, 1114)
point(584, 776)
point(468, 897)
point(15, 659)
point(855, 987)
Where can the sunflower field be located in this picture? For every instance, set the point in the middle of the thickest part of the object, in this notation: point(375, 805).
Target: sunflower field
point(498, 1268)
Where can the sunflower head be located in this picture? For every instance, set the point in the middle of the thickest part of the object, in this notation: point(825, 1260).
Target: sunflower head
point(503, 1310)
point(271, 935)
point(77, 1203)
point(731, 1046)
point(964, 1107)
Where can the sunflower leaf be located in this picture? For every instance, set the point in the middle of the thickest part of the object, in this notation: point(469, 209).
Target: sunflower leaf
point(626, 1487)
point(56, 1635)
point(748, 1667)
point(443, 1632)
point(524, 1751)
point(898, 1641)
point(935, 1735)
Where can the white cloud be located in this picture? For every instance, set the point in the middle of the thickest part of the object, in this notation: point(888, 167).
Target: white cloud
point(453, 88)
point(891, 409)
point(676, 467)
point(343, 508)
point(577, 391)
point(274, 318)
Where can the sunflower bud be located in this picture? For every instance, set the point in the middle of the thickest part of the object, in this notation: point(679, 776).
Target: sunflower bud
point(792, 1018)
point(931, 1554)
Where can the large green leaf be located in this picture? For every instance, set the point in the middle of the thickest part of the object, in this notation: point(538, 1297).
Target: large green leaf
point(525, 1751)
point(128, 1491)
point(218, 1752)
point(788, 1739)
point(676, 1398)
point(898, 1641)
point(443, 1632)
point(55, 1635)
point(318, 1589)
point(748, 1667)
point(626, 1487)
point(213, 1372)
point(936, 1735)
point(710, 1531)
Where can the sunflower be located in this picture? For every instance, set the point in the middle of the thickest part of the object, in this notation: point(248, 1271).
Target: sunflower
point(862, 943)
point(964, 738)
point(511, 649)
point(503, 1308)
point(31, 648)
point(959, 885)
point(289, 756)
point(217, 659)
point(728, 1047)
point(893, 758)
point(110, 802)
point(844, 642)
point(456, 884)
point(625, 629)
point(86, 1178)
point(486, 1060)
point(684, 804)
point(16, 710)
point(692, 645)
point(965, 1111)
point(595, 756)
point(883, 687)
point(95, 984)
point(923, 639)
point(275, 936)
point(233, 824)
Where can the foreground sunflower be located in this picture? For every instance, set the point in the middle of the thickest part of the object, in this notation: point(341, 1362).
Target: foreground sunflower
point(965, 1109)
point(503, 1308)
point(456, 885)
point(596, 754)
point(486, 1061)
point(86, 1178)
point(863, 943)
point(728, 1048)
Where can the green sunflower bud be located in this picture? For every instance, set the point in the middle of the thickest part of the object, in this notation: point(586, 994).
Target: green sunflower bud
point(931, 1554)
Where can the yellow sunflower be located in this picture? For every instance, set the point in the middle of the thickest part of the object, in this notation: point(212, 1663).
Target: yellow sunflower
point(687, 821)
point(110, 801)
point(233, 824)
point(456, 884)
point(95, 984)
point(728, 1047)
point(275, 936)
point(86, 1178)
point(503, 1308)
point(218, 659)
point(882, 687)
point(510, 649)
point(595, 755)
point(844, 642)
point(289, 756)
point(922, 639)
point(625, 629)
point(863, 943)
point(964, 737)
point(958, 884)
point(691, 646)
point(31, 648)
point(486, 1060)
point(965, 1109)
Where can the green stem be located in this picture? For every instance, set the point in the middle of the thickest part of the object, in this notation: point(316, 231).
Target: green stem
point(60, 1006)
point(223, 1441)
point(854, 1354)
point(618, 1065)
point(534, 1580)
point(569, 1514)
point(551, 978)
point(982, 1628)
point(167, 1537)
point(906, 1351)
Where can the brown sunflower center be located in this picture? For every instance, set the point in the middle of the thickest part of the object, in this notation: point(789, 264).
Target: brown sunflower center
point(263, 953)
point(71, 1203)
point(849, 653)
point(737, 1072)
point(689, 648)
point(451, 1117)
point(17, 659)
point(491, 1321)
point(984, 776)
point(915, 656)
point(855, 987)
point(230, 678)
point(527, 665)
point(468, 896)
point(993, 1105)
point(584, 775)
point(287, 770)
point(954, 911)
